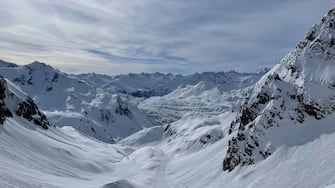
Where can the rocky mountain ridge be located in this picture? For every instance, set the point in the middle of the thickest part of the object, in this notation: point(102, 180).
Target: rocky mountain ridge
point(295, 91)
point(14, 102)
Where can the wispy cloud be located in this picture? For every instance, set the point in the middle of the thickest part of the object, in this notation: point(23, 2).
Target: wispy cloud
point(154, 35)
point(132, 59)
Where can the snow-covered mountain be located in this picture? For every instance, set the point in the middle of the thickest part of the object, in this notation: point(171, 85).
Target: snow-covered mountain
point(70, 101)
point(96, 104)
point(292, 104)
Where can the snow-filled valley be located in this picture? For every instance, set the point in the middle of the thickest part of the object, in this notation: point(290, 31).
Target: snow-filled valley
point(225, 129)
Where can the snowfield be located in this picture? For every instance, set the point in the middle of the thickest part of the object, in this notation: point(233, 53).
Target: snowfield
point(208, 130)
point(62, 157)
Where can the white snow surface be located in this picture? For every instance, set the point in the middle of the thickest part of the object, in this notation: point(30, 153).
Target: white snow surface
point(62, 157)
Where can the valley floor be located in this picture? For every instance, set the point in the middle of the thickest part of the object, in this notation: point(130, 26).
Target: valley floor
point(62, 157)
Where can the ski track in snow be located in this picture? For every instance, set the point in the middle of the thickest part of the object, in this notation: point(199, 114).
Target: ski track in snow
point(160, 180)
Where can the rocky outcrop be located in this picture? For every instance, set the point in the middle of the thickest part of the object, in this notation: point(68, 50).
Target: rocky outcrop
point(286, 93)
point(257, 117)
point(4, 111)
point(122, 108)
point(28, 110)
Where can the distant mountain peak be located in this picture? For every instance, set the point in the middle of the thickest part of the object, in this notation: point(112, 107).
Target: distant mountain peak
point(7, 64)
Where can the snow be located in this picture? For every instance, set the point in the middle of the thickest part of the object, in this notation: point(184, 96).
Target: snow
point(146, 136)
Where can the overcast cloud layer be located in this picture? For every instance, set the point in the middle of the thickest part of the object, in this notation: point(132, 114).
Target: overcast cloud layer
point(177, 36)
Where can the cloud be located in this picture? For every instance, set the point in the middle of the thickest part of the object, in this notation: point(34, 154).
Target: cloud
point(130, 60)
point(150, 35)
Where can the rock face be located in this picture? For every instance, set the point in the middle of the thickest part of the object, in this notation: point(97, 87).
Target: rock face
point(122, 108)
point(14, 101)
point(28, 110)
point(4, 111)
point(296, 91)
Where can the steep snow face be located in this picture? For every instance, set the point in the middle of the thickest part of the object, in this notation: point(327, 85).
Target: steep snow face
point(70, 101)
point(292, 104)
point(15, 103)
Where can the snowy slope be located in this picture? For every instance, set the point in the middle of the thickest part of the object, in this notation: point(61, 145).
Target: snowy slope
point(308, 166)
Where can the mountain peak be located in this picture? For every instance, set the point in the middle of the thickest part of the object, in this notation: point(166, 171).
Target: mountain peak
point(320, 38)
point(40, 65)
point(299, 90)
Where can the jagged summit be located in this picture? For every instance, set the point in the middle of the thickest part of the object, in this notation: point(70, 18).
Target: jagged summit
point(315, 54)
point(292, 104)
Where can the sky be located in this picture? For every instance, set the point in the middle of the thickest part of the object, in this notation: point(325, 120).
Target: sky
point(169, 36)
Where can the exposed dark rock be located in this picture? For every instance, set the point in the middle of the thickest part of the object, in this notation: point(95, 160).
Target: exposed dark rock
point(313, 110)
point(263, 98)
point(247, 115)
point(21, 80)
point(265, 154)
point(248, 149)
point(122, 108)
point(49, 88)
point(167, 128)
point(4, 111)
point(205, 139)
point(93, 130)
point(332, 42)
point(293, 68)
point(232, 159)
point(28, 110)
point(311, 36)
point(169, 131)
point(106, 115)
point(55, 78)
